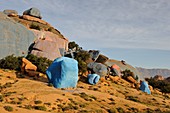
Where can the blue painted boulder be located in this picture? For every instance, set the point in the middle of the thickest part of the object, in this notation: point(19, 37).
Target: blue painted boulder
point(93, 78)
point(63, 72)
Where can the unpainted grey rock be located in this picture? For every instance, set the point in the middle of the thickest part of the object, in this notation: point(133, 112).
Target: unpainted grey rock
point(33, 12)
point(98, 68)
point(14, 37)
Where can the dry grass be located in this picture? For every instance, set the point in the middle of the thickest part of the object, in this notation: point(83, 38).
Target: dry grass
point(27, 94)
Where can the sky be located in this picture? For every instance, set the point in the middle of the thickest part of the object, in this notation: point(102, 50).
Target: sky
point(136, 31)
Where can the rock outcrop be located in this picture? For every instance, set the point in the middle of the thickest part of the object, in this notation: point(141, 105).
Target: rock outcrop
point(31, 18)
point(28, 32)
point(48, 45)
point(14, 37)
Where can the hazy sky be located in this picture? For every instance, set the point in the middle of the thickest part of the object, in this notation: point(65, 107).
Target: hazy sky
point(134, 30)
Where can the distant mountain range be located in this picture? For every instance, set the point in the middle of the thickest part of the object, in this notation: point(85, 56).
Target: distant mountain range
point(152, 72)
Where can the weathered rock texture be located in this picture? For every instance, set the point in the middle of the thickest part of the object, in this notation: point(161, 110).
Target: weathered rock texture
point(45, 40)
point(48, 45)
point(33, 12)
point(31, 18)
point(14, 37)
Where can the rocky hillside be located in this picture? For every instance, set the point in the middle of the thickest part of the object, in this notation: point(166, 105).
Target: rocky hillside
point(28, 33)
point(152, 72)
point(23, 94)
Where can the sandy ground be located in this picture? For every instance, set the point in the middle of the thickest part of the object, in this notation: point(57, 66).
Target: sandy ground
point(25, 94)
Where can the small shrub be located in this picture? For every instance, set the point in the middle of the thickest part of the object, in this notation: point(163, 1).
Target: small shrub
point(164, 86)
point(53, 108)
point(120, 110)
point(84, 96)
point(8, 108)
point(132, 98)
point(112, 110)
point(19, 102)
point(13, 102)
point(82, 57)
point(84, 111)
point(42, 108)
point(1, 98)
point(93, 97)
point(47, 103)
point(11, 62)
point(82, 105)
point(60, 106)
point(111, 99)
point(50, 29)
point(37, 101)
point(72, 45)
point(28, 107)
point(158, 110)
point(167, 106)
point(148, 110)
point(134, 110)
point(7, 85)
point(112, 103)
point(70, 106)
point(50, 84)
point(126, 105)
point(95, 89)
point(33, 26)
point(127, 73)
point(42, 63)
point(70, 99)
point(8, 94)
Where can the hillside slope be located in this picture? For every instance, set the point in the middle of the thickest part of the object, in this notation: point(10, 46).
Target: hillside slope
point(32, 95)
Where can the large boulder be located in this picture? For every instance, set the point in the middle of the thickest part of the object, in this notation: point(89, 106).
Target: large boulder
point(48, 45)
point(14, 37)
point(33, 12)
point(102, 59)
point(63, 73)
point(98, 68)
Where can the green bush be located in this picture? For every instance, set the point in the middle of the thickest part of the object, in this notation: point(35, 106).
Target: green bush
point(11, 62)
point(164, 86)
point(120, 110)
point(42, 108)
point(72, 45)
point(132, 98)
point(127, 73)
point(82, 57)
point(8, 108)
point(1, 98)
point(42, 63)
